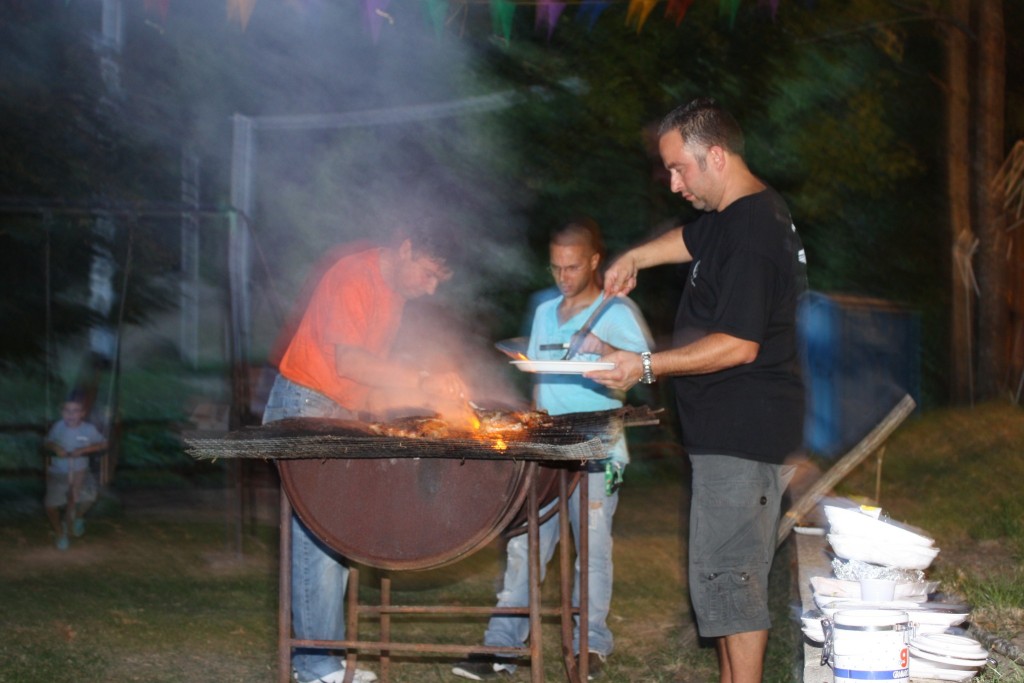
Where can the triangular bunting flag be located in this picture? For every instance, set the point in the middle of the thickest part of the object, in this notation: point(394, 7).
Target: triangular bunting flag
point(730, 7)
point(240, 10)
point(676, 10)
point(590, 10)
point(158, 7)
point(638, 12)
point(548, 12)
point(375, 14)
point(437, 12)
point(501, 17)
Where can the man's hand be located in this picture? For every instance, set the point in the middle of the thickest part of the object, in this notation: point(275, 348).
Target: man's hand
point(627, 371)
point(620, 277)
point(593, 344)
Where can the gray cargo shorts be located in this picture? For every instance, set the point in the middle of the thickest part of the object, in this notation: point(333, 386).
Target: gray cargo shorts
point(734, 518)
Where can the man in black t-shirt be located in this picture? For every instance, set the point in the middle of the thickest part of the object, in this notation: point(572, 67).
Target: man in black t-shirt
point(735, 371)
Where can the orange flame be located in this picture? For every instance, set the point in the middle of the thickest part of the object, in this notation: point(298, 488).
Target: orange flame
point(500, 445)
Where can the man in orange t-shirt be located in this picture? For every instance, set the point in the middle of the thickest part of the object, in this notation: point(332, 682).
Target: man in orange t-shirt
point(336, 364)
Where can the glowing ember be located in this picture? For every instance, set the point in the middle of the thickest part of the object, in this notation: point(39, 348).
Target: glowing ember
point(500, 445)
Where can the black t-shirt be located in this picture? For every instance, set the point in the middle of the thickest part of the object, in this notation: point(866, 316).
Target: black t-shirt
point(746, 278)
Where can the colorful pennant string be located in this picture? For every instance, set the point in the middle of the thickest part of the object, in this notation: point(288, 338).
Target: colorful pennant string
point(548, 12)
point(502, 12)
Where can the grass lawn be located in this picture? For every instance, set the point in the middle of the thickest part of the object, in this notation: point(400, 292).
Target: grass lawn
point(159, 595)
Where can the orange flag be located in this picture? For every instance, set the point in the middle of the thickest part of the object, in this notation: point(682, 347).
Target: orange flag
point(638, 12)
point(240, 10)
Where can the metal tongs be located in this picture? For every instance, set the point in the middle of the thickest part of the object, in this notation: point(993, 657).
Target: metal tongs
point(581, 335)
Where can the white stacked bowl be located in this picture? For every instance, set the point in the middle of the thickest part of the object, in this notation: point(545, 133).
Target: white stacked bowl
point(946, 657)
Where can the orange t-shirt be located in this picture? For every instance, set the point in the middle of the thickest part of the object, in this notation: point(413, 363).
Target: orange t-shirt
point(351, 305)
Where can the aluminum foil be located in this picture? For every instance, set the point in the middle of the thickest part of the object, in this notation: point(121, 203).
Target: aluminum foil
point(855, 570)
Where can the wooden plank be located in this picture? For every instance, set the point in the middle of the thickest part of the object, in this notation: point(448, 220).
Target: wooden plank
point(874, 440)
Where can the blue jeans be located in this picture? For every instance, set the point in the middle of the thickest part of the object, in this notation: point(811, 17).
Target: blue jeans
point(319, 576)
point(512, 631)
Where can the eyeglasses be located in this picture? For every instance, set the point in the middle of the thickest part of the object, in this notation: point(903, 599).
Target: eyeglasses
point(568, 270)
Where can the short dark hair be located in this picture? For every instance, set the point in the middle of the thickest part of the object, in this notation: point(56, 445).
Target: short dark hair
point(435, 243)
point(705, 123)
point(580, 230)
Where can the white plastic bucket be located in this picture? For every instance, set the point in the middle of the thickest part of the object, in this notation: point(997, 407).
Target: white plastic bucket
point(870, 645)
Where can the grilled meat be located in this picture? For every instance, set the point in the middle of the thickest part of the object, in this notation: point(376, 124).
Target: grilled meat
point(413, 428)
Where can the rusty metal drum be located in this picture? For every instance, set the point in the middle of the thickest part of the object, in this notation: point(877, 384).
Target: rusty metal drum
point(406, 513)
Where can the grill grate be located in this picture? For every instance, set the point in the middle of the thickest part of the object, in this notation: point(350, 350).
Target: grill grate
point(575, 436)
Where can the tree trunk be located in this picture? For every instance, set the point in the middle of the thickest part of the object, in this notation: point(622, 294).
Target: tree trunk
point(958, 184)
point(993, 303)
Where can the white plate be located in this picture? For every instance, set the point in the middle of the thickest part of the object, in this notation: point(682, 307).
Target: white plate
point(919, 671)
point(561, 367)
point(940, 662)
point(814, 635)
point(949, 644)
point(938, 649)
point(829, 606)
point(828, 586)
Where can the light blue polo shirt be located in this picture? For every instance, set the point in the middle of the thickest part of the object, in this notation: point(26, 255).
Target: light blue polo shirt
point(621, 325)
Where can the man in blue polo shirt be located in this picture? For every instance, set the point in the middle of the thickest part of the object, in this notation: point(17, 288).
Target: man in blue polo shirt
point(576, 252)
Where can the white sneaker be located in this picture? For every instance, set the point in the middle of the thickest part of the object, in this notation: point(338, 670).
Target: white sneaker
point(361, 676)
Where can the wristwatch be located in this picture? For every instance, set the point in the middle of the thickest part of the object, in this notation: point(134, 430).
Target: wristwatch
point(648, 376)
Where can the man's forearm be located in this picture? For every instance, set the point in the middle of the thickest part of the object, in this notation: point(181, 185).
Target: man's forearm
point(716, 351)
point(665, 248)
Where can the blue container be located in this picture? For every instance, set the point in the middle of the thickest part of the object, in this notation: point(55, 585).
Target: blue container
point(860, 357)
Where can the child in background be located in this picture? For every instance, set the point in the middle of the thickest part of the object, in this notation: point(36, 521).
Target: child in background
point(68, 479)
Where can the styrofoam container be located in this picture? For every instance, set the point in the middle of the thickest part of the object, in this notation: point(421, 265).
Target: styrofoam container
point(887, 553)
point(852, 522)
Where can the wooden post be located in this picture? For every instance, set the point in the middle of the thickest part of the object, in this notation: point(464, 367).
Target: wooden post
point(868, 445)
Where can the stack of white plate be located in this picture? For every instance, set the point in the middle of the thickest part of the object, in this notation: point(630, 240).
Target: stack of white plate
point(810, 624)
point(945, 657)
point(936, 617)
point(831, 587)
point(926, 617)
point(857, 536)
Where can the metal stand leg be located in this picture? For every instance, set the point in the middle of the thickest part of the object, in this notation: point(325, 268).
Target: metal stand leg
point(385, 626)
point(284, 603)
point(584, 559)
point(351, 621)
point(533, 545)
point(565, 575)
